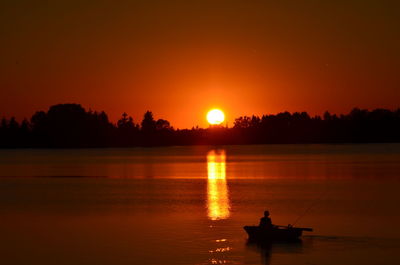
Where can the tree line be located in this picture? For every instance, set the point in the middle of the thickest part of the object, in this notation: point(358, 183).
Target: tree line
point(70, 126)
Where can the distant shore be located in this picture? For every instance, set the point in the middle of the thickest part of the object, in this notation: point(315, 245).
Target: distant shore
point(71, 126)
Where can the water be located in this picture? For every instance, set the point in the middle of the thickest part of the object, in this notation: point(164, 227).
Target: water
point(187, 205)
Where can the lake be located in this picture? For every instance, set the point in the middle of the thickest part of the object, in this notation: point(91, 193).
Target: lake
point(187, 205)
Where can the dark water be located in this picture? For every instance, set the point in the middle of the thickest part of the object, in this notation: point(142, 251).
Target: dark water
point(187, 205)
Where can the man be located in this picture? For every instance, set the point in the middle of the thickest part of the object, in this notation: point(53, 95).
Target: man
point(265, 221)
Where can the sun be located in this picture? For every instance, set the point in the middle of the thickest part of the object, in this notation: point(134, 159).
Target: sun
point(215, 116)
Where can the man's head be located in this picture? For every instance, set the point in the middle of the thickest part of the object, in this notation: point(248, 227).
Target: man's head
point(266, 213)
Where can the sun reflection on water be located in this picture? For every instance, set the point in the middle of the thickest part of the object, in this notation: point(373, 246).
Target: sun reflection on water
point(217, 189)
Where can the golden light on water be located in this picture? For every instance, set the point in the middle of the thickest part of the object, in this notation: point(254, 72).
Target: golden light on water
point(218, 203)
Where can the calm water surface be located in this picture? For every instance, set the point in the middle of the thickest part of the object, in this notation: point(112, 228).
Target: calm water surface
point(187, 205)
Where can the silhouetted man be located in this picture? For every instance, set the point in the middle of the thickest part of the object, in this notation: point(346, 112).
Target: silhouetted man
point(266, 221)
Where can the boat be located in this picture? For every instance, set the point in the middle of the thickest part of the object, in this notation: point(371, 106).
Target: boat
point(274, 233)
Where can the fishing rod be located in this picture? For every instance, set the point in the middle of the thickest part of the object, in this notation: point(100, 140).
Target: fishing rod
point(311, 206)
point(291, 226)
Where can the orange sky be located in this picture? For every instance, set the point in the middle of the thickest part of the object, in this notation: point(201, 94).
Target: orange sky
point(181, 58)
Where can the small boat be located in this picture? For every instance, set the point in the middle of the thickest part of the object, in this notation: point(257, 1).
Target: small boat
point(275, 233)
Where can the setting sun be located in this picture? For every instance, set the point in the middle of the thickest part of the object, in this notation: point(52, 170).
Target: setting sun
point(215, 117)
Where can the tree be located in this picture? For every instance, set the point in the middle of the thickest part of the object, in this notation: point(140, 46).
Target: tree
point(25, 126)
point(327, 116)
point(69, 125)
point(126, 123)
point(38, 120)
point(4, 124)
point(148, 122)
point(163, 125)
point(242, 122)
point(123, 121)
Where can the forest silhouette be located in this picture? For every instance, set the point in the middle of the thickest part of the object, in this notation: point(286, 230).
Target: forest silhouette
point(71, 126)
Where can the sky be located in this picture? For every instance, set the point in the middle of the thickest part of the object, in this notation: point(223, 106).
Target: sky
point(181, 58)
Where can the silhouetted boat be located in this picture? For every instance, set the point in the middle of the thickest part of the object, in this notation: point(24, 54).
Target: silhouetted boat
point(276, 233)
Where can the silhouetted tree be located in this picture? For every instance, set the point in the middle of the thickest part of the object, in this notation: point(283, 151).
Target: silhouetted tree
point(13, 125)
point(148, 122)
point(69, 125)
point(163, 125)
point(242, 122)
point(128, 131)
point(4, 124)
point(25, 126)
point(327, 116)
point(123, 121)
point(4, 132)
